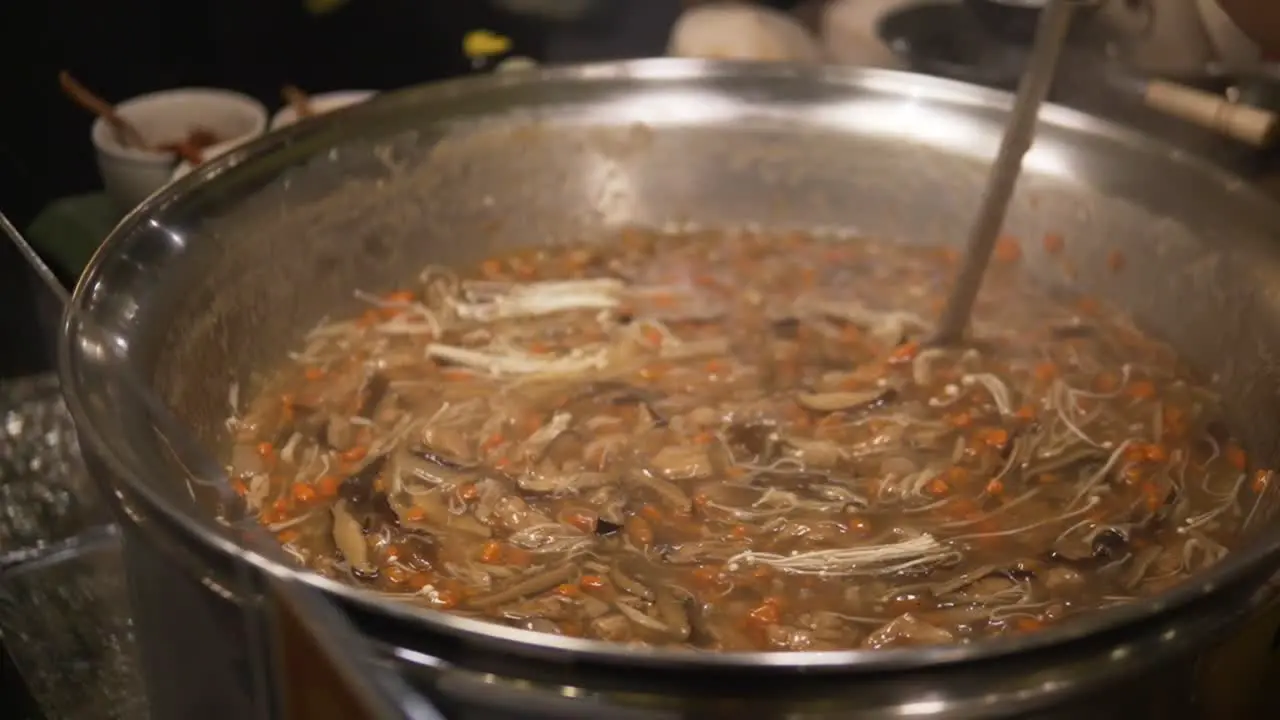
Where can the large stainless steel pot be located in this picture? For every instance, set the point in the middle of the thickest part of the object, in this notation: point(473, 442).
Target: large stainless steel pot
point(217, 275)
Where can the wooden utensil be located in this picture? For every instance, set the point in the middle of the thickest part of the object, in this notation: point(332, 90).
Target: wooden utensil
point(297, 100)
point(125, 132)
point(1245, 123)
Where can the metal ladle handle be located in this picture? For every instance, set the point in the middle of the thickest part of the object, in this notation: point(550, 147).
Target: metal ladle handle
point(1051, 36)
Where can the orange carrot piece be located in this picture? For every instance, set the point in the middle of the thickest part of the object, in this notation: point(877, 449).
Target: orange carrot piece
point(592, 582)
point(303, 492)
point(354, 454)
point(1054, 243)
point(1236, 456)
point(491, 553)
point(639, 531)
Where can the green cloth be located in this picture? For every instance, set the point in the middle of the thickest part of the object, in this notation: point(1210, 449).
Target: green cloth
point(68, 231)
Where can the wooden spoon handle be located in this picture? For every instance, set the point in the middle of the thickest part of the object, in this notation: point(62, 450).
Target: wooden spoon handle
point(297, 100)
point(190, 152)
point(1245, 123)
point(85, 98)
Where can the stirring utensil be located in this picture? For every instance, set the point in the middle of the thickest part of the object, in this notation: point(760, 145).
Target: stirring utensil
point(297, 100)
point(1051, 36)
point(302, 614)
point(87, 99)
point(124, 130)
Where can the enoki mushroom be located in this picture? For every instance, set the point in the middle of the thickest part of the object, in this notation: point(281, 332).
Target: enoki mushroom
point(868, 560)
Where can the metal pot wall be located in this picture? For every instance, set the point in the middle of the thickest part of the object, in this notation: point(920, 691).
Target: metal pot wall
point(215, 277)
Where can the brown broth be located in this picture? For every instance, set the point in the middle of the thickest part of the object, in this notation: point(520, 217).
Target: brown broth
point(736, 441)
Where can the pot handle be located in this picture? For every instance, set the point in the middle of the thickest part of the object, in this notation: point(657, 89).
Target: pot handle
point(1245, 123)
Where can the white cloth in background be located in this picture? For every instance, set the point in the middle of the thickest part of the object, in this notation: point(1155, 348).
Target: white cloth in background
point(740, 31)
point(849, 32)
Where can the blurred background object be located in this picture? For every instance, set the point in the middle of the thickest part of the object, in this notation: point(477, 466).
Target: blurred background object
point(849, 32)
point(742, 31)
point(308, 105)
point(127, 48)
point(130, 47)
point(200, 123)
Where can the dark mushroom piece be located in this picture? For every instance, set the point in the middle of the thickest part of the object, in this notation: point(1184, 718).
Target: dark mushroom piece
point(437, 458)
point(296, 419)
point(370, 507)
point(1218, 430)
point(372, 395)
point(1110, 542)
point(1103, 543)
point(787, 328)
point(321, 434)
point(1068, 331)
point(419, 552)
point(761, 440)
point(1024, 569)
point(604, 528)
point(306, 421)
point(358, 487)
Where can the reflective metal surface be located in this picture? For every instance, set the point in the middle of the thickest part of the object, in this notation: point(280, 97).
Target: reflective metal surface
point(216, 276)
point(333, 648)
point(64, 614)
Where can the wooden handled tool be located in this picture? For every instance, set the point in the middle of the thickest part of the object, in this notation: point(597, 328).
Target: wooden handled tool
point(1246, 123)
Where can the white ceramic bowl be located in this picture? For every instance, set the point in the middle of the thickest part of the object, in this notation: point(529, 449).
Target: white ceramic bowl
point(130, 175)
point(320, 104)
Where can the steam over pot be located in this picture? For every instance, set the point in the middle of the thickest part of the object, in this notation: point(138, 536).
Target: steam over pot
point(214, 278)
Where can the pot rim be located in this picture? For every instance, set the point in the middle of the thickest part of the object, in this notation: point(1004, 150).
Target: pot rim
point(1241, 567)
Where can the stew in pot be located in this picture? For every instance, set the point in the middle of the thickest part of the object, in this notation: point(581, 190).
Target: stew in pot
point(737, 440)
